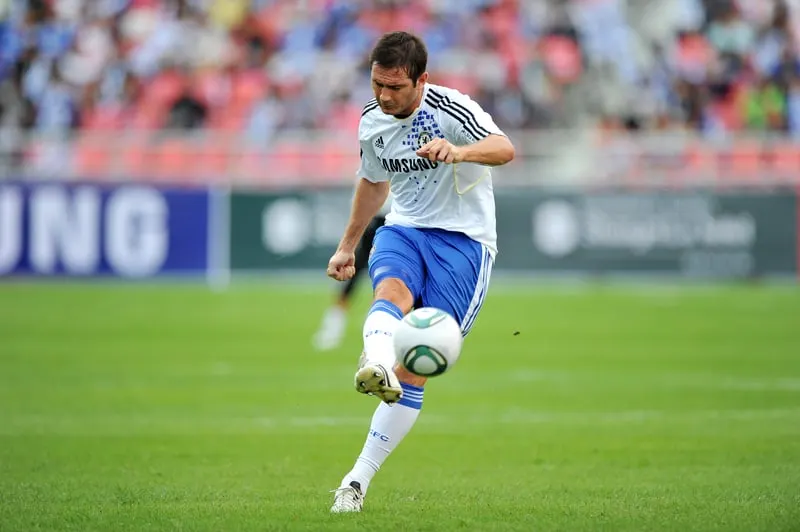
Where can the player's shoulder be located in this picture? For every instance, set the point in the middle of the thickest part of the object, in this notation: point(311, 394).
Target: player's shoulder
point(370, 113)
point(439, 97)
point(370, 107)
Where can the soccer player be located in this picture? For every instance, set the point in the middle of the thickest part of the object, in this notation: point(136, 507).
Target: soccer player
point(433, 148)
point(334, 321)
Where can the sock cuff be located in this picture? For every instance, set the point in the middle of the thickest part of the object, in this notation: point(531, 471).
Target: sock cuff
point(410, 388)
point(384, 305)
point(412, 396)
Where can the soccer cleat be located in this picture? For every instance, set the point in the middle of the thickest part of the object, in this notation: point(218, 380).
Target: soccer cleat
point(375, 379)
point(348, 499)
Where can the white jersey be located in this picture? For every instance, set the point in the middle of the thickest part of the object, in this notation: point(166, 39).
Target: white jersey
point(454, 197)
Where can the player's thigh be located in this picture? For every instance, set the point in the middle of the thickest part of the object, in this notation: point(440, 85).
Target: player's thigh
point(396, 255)
point(459, 270)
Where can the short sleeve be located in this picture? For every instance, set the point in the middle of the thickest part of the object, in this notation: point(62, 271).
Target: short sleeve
point(465, 119)
point(370, 167)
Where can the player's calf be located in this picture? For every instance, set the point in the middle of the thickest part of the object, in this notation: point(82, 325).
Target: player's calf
point(406, 377)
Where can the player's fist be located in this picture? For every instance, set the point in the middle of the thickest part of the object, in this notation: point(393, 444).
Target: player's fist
point(440, 150)
point(342, 266)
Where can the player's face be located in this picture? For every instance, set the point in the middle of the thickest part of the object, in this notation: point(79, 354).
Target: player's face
point(394, 90)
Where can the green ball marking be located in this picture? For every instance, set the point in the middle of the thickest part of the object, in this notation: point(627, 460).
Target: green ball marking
point(423, 322)
point(425, 356)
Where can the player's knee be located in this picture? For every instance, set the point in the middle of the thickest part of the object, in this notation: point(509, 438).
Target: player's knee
point(406, 377)
point(396, 291)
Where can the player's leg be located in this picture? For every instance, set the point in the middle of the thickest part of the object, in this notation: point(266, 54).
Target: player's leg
point(397, 275)
point(334, 321)
point(459, 270)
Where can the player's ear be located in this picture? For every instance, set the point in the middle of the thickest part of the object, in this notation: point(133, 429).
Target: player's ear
point(422, 79)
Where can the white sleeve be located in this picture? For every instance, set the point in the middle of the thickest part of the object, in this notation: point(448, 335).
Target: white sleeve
point(466, 121)
point(370, 167)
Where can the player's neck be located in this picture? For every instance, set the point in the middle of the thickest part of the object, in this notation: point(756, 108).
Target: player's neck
point(413, 107)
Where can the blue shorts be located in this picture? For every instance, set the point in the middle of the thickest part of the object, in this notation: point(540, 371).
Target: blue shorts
point(442, 269)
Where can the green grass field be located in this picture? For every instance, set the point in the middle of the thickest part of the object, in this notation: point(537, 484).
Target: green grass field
point(169, 407)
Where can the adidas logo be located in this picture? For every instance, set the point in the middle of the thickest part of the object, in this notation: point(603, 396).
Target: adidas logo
point(379, 143)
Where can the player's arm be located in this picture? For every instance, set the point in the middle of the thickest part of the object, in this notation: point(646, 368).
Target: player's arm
point(371, 192)
point(493, 150)
point(368, 200)
point(470, 135)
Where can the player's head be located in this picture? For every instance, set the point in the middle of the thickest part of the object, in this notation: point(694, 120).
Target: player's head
point(398, 61)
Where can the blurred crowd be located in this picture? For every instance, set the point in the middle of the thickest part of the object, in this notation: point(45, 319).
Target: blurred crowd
point(264, 66)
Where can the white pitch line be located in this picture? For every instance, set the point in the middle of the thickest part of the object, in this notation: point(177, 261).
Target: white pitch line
point(682, 380)
point(127, 425)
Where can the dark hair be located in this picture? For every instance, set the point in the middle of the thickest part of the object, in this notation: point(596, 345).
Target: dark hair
point(401, 49)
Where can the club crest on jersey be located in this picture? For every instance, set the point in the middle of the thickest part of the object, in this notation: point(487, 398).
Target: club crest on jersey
point(423, 138)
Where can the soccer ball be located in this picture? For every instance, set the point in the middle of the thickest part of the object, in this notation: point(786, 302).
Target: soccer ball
point(427, 342)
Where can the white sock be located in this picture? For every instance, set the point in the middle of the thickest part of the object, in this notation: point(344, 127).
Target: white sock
point(331, 329)
point(334, 321)
point(379, 327)
point(390, 424)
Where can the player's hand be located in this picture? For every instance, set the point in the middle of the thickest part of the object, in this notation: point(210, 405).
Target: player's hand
point(440, 150)
point(342, 266)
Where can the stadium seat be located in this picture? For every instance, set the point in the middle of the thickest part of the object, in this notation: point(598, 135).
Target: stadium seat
point(211, 88)
point(249, 164)
point(285, 162)
point(210, 158)
point(784, 160)
point(332, 162)
point(248, 87)
point(700, 163)
point(92, 156)
point(103, 118)
point(231, 118)
point(135, 159)
point(744, 162)
point(148, 116)
point(173, 159)
point(157, 99)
